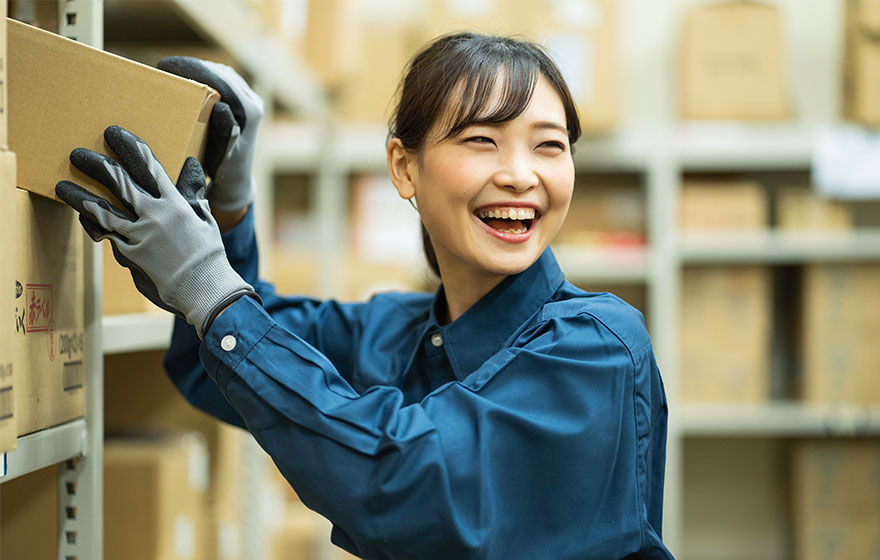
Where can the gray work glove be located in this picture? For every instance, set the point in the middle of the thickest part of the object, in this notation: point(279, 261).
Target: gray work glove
point(232, 130)
point(171, 244)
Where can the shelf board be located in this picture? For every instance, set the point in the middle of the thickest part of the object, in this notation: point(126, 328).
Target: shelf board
point(778, 247)
point(608, 264)
point(622, 150)
point(45, 448)
point(136, 332)
point(779, 419)
point(730, 146)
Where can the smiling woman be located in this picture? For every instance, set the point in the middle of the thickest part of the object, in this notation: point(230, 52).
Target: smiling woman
point(509, 415)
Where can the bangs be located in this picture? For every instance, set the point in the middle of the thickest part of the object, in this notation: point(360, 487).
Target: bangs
point(492, 92)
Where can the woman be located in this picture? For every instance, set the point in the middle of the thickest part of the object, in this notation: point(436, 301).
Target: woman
point(509, 415)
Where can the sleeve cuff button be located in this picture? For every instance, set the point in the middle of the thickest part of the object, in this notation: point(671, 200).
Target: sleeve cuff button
point(228, 342)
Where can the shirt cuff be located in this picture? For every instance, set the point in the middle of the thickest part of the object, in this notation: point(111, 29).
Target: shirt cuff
point(231, 337)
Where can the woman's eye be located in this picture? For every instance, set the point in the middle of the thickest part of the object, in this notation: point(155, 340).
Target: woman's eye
point(480, 140)
point(554, 144)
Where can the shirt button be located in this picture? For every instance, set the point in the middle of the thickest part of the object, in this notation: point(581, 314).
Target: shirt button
point(228, 342)
point(437, 340)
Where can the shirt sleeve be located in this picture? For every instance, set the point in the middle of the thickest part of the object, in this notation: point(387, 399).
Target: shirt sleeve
point(539, 453)
point(328, 325)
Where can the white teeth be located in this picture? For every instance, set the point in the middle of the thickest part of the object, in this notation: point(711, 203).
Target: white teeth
point(508, 213)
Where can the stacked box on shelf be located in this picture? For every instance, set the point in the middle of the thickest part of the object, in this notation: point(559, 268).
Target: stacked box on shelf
point(8, 420)
point(725, 333)
point(605, 210)
point(840, 357)
point(861, 91)
point(799, 209)
point(49, 315)
point(723, 206)
point(29, 516)
point(836, 499)
point(733, 62)
point(154, 506)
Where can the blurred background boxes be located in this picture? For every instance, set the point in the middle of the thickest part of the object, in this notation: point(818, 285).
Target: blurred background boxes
point(725, 333)
point(733, 62)
point(861, 91)
point(724, 204)
point(841, 320)
point(836, 499)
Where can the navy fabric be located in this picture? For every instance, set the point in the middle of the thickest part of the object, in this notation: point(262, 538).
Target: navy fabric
point(532, 427)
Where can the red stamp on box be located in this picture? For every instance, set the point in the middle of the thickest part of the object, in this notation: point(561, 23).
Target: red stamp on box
point(38, 307)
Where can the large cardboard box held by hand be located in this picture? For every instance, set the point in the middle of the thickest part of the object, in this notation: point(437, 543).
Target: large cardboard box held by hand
point(49, 314)
point(8, 251)
point(63, 94)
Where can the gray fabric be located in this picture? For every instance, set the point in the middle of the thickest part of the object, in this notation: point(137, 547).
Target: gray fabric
point(232, 133)
point(173, 240)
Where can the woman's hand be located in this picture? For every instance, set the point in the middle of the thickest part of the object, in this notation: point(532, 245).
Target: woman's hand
point(232, 133)
point(170, 241)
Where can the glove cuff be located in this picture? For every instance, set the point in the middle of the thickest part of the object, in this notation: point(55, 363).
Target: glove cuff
point(209, 288)
point(242, 195)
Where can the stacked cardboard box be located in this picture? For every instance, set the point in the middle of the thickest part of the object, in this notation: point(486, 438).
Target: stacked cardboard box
point(29, 516)
point(8, 256)
point(725, 333)
point(154, 498)
point(841, 318)
point(836, 499)
point(799, 209)
point(861, 91)
point(723, 205)
point(733, 62)
point(361, 55)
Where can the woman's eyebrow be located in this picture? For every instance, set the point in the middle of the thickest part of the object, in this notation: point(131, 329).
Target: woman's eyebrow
point(551, 125)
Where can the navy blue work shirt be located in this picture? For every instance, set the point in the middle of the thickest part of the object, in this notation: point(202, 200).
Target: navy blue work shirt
point(532, 427)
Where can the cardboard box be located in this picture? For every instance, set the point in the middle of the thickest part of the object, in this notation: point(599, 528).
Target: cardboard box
point(861, 86)
point(119, 295)
point(153, 498)
point(55, 107)
point(800, 209)
point(332, 40)
point(725, 333)
point(723, 205)
point(8, 348)
point(29, 516)
point(4, 113)
point(49, 314)
point(836, 499)
point(732, 62)
point(841, 318)
point(604, 209)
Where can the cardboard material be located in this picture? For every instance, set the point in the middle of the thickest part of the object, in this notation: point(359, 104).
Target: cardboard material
point(4, 116)
point(841, 316)
point(56, 106)
point(153, 498)
point(836, 499)
point(723, 205)
point(802, 209)
point(8, 348)
point(49, 314)
point(733, 63)
point(725, 333)
point(861, 86)
point(29, 516)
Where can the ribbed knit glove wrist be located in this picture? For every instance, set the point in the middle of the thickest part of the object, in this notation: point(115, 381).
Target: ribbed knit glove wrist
point(171, 245)
point(232, 130)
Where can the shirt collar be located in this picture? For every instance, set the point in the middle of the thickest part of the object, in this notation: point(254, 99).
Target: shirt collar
point(482, 330)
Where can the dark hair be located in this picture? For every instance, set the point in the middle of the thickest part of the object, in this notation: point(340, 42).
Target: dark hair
point(469, 65)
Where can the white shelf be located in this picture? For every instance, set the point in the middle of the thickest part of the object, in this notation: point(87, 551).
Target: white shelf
point(726, 146)
point(626, 149)
point(608, 264)
point(45, 448)
point(778, 247)
point(781, 419)
point(137, 332)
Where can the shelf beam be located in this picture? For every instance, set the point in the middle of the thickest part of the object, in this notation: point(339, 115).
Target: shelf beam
point(783, 419)
point(46, 448)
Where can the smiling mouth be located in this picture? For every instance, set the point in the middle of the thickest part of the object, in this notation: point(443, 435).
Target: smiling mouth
point(508, 219)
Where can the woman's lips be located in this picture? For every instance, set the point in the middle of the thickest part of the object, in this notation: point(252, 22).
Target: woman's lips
point(504, 235)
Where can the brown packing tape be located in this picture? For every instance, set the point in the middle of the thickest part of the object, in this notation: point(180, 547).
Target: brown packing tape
point(64, 94)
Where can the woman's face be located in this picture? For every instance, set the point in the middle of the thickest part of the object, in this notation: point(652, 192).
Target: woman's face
point(494, 197)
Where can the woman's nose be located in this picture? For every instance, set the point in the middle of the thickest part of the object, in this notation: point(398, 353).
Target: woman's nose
point(516, 172)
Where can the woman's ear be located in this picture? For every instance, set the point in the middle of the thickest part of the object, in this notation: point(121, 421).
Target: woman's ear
point(399, 161)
